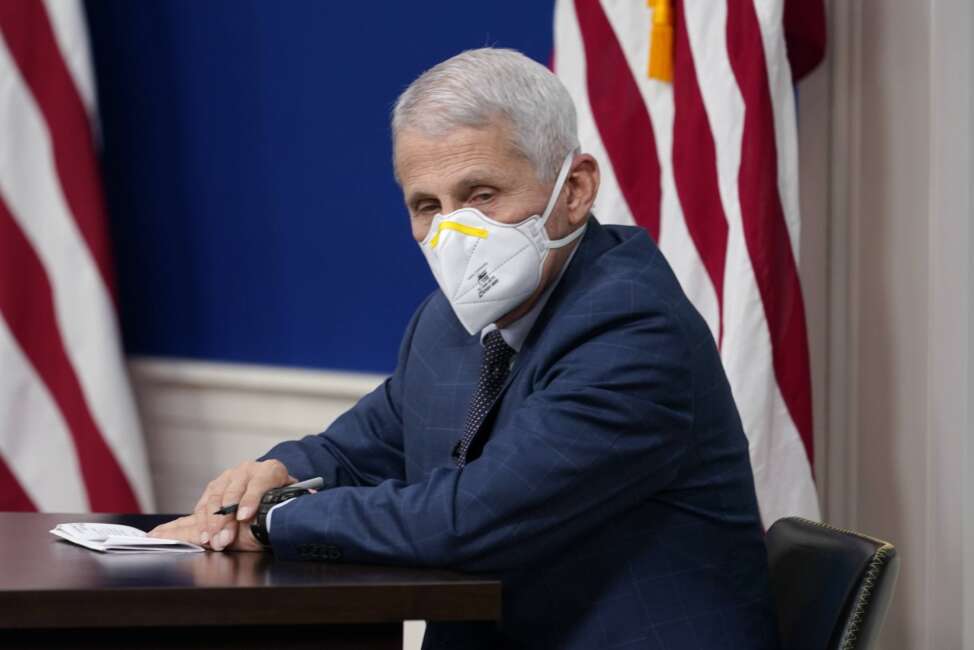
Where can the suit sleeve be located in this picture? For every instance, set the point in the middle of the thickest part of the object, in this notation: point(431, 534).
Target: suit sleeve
point(608, 426)
point(364, 446)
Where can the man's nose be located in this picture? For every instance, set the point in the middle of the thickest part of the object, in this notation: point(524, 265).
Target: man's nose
point(421, 227)
point(449, 205)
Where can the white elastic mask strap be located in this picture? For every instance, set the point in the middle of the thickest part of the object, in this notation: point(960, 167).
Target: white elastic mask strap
point(564, 241)
point(555, 193)
point(559, 182)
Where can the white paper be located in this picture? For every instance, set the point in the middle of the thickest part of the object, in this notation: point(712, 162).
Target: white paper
point(116, 538)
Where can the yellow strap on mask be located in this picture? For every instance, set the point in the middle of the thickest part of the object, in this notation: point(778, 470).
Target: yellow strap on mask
point(459, 227)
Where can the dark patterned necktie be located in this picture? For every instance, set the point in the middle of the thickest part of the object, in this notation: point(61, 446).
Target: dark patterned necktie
point(494, 368)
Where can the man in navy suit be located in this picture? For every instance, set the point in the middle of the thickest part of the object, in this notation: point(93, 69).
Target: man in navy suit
point(558, 416)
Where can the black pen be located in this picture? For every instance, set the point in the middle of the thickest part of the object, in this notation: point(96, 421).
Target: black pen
point(310, 484)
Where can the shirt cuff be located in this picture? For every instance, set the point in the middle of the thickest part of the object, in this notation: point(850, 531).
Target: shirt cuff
point(270, 515)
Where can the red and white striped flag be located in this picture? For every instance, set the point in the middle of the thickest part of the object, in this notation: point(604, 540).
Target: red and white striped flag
point(69, 435)
point(704, 156)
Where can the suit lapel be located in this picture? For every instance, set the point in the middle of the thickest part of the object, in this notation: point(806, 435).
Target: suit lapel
point(593, 243)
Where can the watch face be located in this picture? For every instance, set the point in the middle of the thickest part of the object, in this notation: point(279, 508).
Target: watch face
point(280, 495)
point(270, 499)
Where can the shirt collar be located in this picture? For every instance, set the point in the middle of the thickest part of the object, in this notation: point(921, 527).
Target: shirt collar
point(516, 333)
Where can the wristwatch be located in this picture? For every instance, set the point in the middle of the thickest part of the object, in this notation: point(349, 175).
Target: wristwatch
point(270, 499)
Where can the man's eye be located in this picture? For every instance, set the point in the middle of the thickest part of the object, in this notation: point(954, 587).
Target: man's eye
point(481, 197)
point(426, 208)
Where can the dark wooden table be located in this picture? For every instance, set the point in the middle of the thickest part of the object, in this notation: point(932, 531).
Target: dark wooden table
point(54, 594)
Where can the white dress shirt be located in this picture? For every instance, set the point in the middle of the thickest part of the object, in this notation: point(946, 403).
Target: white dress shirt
point(516, 333)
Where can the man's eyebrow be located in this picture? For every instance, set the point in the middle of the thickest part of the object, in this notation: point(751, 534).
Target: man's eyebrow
point(477, 181)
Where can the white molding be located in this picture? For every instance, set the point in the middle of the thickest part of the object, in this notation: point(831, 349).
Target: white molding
point(248, 377)
point(201, 417)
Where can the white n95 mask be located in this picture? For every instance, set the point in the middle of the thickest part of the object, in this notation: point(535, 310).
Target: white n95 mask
point(487, 268)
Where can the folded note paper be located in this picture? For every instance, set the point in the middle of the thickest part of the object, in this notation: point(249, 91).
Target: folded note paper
point(116, 538)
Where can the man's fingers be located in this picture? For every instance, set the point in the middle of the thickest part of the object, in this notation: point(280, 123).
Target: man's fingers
point(243, 485)
point(214, 522)
point(224, 538)
point(170, 528)
point(250, 500)
point(160, 530)
point(202, 515)
point(269, 474)
point(223, 528)
point(184, 532)
point(202, 500)
point(214, 501)
point(235, 489)
point(184, 529)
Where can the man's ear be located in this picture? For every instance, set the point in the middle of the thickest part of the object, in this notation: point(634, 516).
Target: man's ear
point(583, 186)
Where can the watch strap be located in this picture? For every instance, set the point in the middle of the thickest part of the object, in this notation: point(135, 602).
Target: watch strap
point(271, 498)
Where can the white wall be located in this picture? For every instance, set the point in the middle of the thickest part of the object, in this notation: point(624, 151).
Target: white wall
point(899, 462)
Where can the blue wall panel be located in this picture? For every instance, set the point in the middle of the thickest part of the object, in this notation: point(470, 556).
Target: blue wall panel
point(247, 168)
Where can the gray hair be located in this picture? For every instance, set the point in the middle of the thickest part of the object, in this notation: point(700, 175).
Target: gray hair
point(476, 87)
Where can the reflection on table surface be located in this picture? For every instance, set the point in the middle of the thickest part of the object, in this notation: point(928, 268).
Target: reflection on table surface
point(35, 559)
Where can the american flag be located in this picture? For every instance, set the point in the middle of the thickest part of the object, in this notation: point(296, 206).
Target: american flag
point(689, 106)
point(69, 435)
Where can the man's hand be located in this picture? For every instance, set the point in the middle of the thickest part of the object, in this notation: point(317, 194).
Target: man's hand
point(190, 527)
point(245, 484)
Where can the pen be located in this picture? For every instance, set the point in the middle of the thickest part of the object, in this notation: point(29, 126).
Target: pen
point(310, 484)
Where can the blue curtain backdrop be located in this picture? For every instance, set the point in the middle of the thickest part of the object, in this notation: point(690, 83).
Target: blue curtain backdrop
point(248, 175)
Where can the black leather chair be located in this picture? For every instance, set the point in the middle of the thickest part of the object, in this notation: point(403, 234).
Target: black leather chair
point(831, 587)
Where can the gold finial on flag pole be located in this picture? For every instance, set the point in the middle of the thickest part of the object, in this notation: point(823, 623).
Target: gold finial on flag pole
point(661, 41)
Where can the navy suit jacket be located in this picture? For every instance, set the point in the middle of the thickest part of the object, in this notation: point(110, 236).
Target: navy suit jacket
point(610, 486)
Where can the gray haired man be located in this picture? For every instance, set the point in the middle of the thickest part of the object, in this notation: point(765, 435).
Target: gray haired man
point(558, 416)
